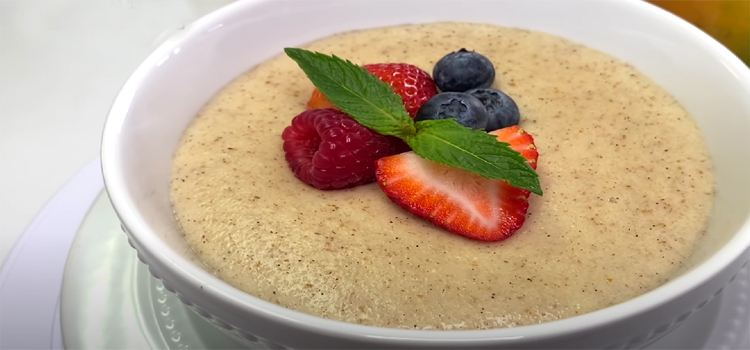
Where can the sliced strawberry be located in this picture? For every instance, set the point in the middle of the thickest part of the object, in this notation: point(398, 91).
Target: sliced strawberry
point(520, 141)
point(319, 101)
point(457, 200)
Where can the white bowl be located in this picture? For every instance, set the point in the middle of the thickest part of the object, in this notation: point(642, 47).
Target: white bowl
point(167, 90)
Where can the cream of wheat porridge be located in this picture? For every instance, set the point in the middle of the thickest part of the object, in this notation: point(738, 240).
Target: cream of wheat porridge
point(627, 180)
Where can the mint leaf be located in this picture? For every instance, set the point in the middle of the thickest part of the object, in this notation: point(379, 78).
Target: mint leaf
point(447, 142)
point(369, 100)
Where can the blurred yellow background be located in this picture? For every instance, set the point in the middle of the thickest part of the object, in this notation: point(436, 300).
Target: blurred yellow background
point(728, 21)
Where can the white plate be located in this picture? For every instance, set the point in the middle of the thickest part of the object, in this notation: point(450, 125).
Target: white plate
point(109, 300)
point(31, 277)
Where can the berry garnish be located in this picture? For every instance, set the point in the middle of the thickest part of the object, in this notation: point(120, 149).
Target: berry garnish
point(327, 149)
point(466, 109)
point(502, 111)
point(410, 82)
point(462, 71)
point(373, 104)
point(459, 201)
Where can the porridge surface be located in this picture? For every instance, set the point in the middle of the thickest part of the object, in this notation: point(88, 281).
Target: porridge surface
point(627, 179)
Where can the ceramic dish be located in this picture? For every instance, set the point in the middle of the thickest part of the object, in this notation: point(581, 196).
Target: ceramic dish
point(166, 91)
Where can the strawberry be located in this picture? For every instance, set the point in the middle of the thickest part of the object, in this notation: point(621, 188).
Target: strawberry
point(459, 201)
point(520, 141)
point(413, 84)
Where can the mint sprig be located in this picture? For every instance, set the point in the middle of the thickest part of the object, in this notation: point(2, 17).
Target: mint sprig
point(355, 91)
point(447, 142)
point(374, 104)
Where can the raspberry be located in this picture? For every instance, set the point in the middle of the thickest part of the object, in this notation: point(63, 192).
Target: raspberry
point(327, 149)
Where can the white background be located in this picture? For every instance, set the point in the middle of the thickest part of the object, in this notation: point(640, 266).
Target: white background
point(62, 62)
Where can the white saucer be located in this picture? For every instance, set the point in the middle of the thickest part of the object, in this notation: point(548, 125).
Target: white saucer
point(109, 300)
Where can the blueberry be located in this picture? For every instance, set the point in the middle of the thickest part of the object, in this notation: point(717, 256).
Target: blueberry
point(467, 110)
point(502, 111)
point(463, 70)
